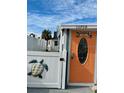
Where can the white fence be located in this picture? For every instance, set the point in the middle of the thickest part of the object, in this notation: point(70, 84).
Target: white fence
point(50, 78)
point(34, 44)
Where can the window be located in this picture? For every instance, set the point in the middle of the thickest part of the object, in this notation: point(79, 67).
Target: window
point(82, 50)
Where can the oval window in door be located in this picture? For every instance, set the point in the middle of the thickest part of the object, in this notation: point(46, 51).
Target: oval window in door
point(82, 50)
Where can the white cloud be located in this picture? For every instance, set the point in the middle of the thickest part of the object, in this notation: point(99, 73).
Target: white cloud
point(68, 11)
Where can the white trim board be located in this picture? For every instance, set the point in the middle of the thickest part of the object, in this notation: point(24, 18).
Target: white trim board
point(64, 54)
point(81, 84)
point(41, 53)
point(45, 85)
point(80, 26)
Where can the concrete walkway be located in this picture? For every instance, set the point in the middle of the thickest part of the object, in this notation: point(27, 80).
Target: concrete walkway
point(69, 90)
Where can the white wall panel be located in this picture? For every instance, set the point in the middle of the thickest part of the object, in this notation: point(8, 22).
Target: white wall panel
point(52, 77)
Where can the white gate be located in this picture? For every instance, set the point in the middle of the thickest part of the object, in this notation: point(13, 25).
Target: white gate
point(50, 78)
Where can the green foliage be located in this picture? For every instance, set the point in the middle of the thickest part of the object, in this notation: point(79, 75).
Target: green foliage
point(46, 34)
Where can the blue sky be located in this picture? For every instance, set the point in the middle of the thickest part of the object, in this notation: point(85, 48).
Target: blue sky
point(48, 14)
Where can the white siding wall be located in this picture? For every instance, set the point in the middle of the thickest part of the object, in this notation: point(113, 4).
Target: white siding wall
point(51, 45)
point(63, 51)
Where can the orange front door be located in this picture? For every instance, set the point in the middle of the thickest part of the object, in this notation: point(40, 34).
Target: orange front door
point(82, 57)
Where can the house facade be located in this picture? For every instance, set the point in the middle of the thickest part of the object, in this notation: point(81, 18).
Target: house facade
point(71, 62)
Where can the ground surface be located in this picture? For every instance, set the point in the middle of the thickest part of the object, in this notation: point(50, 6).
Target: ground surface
point(69, 90)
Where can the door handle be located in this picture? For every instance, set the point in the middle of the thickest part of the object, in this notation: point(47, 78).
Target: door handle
point(72, 55)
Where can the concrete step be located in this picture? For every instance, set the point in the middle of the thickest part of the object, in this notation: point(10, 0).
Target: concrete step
point(68, 90)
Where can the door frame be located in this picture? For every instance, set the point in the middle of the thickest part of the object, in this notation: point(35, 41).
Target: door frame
point(68, 66)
